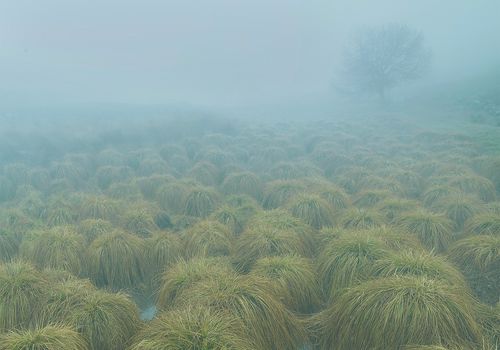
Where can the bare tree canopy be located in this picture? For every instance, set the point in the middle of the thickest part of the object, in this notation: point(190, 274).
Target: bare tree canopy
point(383, 57)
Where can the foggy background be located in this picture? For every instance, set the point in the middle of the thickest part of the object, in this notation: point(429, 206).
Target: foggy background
point(218, 53)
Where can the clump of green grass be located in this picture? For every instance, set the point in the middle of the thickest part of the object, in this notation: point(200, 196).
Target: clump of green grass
point(434, 230)
point(205, 173)
point(243, 183)
point(185, 274)
point(105, 320)
point(312, 209)
point(460, 208)
point(392, 312)
point(266, 241)
point(57, 248)
point(93, 228)
point(8, 246)
point(295, 281)
point(483, 224)
point(162, 250)
point(55, 337)
point(201, 202)
point(139, 221)
point(393, 208)
point(336, 197)
point(396, 239)
point(193, 328)
point(251, 299)
point(279, 192)
point(434, 194)
point(171, 197)
point(418, 263)
point(231, 218)
point(98, 207)
point(479, 258)
point(22, 292)
point(476, 185)
point(361, 219)
point(348, 260)
point(281, 219)
point(370, 198)
point(117, 260)
point(207, 238)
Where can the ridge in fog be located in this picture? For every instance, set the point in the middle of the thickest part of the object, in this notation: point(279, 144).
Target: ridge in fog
point(216, 53)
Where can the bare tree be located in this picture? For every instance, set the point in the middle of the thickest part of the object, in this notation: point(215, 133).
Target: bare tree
point(383, 57)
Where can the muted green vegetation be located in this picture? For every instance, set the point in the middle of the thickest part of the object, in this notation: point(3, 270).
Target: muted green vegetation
point(321, 235)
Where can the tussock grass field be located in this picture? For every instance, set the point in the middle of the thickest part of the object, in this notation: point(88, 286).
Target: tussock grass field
point(210, 234)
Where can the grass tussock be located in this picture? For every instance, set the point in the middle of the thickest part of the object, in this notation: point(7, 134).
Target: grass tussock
point(22, 293)
point(251, 299)
point(207, 238)
point(312, 209)
point(185, 274)
point(56, 337)
point(117, 260)
point(295, 281)
point(419, 263)
point(57, 248)
point(105, 320)
point(392, 312)
point(434, 230)
point(348, 260)
point(193, 328)
point(201, 202)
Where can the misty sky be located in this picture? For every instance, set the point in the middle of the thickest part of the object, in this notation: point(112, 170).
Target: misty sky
point(216, 51)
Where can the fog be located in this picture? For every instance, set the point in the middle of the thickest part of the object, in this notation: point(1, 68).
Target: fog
point(218, 53)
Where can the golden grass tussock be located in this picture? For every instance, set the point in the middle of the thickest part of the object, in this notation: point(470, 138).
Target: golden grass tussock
point(23, 292)
point(312, 209)
point(93, 228)
point(392, 208)
point(185, 274)
point(348, 261)
point(57, 248)
point(419, 263)
point(171, 197)
point(370, 198)
point(435, 231)
point(475, 185)
point(460, 208)
point(434, 194)
point(139, 221)
point(201, 202)
point(282, 220)
point(98, 207)
point(105, 320)
point(479, 259)
point(243, 183)
point(207, 238)
point(278, 193)
point(253, 300)
point(483, 224)
point(193, 328)
point(117, 260)
point(361, 219)
point(231, 217)
point(8, 246)
point(295, 280)
point(54, 337)
point(162, 250)
point(336, 197)
point(392, 312)
point(396, 239)
point(266, 241)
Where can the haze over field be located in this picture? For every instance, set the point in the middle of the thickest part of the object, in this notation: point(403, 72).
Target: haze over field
point(219, 53)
